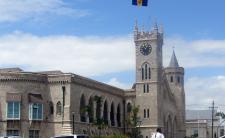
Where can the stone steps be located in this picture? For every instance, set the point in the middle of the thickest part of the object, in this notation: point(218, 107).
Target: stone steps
point(66, 129)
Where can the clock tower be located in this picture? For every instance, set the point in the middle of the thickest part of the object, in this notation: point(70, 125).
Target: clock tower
point(148, 45)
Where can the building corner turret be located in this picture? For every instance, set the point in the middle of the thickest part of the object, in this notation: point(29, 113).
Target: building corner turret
point(175, 78)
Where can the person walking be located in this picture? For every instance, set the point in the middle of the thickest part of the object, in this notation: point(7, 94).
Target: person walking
point(158, 134)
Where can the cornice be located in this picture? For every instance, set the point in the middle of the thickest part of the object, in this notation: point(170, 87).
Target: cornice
point(23, 77)
point(97, 85)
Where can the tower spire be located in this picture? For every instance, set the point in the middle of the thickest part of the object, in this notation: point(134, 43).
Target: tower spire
point(173, 60)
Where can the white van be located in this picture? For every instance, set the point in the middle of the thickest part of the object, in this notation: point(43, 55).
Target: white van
point(72, 136)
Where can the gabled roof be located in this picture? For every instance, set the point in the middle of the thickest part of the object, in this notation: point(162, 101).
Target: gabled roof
point(173, 61)
point(199, 115)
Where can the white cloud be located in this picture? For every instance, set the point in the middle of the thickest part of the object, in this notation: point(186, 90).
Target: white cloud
point(83, 55)
point(90, 56)
point(15, 10)
point(115, 82)
point(196, 53)
point(200, 92)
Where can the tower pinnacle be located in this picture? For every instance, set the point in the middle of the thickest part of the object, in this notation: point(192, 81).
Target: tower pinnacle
point(173, 61)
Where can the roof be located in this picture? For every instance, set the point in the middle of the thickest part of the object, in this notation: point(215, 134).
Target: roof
point(173, 61)
point(199, 114)
point(7, 70)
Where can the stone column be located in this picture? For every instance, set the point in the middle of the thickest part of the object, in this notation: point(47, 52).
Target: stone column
point(94, 116)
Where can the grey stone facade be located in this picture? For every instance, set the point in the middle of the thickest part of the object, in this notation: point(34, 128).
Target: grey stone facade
point(65, 96)
point(166, 98)
point(199, 122)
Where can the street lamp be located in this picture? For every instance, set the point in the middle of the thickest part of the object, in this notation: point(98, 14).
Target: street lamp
point(73, 122)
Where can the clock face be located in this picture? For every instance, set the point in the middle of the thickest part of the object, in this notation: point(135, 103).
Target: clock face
point(145, 49)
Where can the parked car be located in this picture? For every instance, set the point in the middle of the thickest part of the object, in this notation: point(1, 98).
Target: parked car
point(72, 136)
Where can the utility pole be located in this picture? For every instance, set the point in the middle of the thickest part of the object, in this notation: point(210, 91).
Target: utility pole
point(212, 107)
point(212, 118)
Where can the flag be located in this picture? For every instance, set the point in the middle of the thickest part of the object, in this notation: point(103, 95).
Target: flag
point(140, 2)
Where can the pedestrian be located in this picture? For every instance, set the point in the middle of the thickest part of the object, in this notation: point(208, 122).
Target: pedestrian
point(158, 134)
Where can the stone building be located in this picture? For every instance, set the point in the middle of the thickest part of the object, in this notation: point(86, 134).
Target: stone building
point(44, 104)
point(199, 123)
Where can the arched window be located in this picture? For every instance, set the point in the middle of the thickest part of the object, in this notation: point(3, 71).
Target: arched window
point(51, 108)
point(146, 71)
point(144, 113)
point(149, 73)
point(147, 113)
point(129, 108)
point(82, 109)
point(171, 78)
point(142, 73)
point(58, 108)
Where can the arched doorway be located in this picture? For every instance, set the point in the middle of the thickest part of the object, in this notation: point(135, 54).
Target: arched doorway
point(91, 110)
point(105, 113)
point(118, 116)
point(82, 109)
point(112, 118)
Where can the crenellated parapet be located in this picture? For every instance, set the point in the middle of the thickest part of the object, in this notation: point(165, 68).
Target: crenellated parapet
point(154, 34)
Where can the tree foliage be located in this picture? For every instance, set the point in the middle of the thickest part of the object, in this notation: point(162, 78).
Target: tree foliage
point(132, 121)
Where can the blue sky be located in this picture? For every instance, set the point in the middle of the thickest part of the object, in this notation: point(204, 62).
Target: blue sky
point(94, 39)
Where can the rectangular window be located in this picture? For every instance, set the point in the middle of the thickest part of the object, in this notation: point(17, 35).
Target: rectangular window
point(148, 113)
point(144, 113)
point(146, 71)
point(144, 88)
point(33, 133)
point(13, 110)
point(142, 73)
point(36, 111)
point(147, 88)
point(178, 79)
point(12, 132)
point(195, 133)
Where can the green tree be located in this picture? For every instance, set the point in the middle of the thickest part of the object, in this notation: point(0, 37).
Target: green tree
point(132, 121)
point(99, 122)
